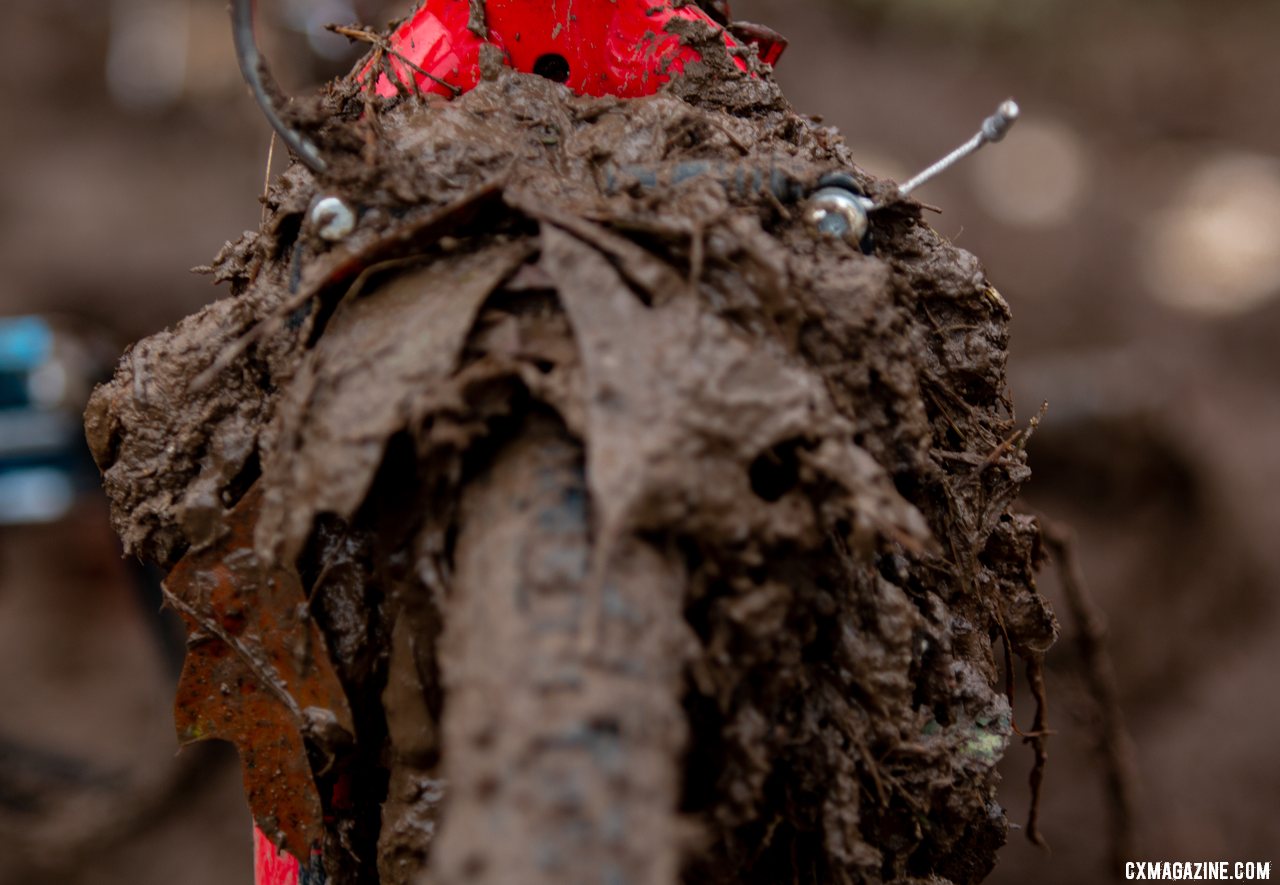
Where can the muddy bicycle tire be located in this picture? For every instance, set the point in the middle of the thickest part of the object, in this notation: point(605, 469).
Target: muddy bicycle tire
point(562, 730)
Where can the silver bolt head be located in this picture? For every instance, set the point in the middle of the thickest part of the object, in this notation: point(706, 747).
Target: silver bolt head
point(835, 212)
point(333, 219)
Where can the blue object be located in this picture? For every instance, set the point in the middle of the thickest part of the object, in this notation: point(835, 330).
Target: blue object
point(25, 343)
point(44, 461)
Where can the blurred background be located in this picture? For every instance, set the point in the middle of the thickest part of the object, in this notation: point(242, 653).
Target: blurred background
point(1132, 220)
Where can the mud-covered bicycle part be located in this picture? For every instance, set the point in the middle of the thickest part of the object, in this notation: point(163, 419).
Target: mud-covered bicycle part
point(836, 207)
point(261, 84)
point(563, 731)
point(267, 94)
point(823, 436)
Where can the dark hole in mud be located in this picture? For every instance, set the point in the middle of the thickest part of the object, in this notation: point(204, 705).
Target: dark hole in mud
point(351, 569)
point(395, 499)
point(325, 536)
point(703, 761)
point(287, 230)
point(327, 304)
point(553, 66)
point(790, 850)
point(894, 568)
point(531, 304)
point(295, 268)
point(692, 555)
point(108, 458)
point(503, 423)
point(698, 614)
point(534, 309)
point(523, 302)
point(451, 540)
point(843, 528)
point(908, 486)
point(826, 635)
point(776, 472)
point(248, 475)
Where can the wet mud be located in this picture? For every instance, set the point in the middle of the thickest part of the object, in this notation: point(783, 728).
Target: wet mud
point(581, 516)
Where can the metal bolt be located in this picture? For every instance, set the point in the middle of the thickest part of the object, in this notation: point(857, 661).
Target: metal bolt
point(333, 219)
point(836, 212)
point(838, 209)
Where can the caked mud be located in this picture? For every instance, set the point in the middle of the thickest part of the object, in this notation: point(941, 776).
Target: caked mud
point(751, 491)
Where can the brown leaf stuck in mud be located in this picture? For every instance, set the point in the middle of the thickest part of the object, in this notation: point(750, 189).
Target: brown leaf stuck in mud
point(380, 355)
point(673, 397)
point(258, 675)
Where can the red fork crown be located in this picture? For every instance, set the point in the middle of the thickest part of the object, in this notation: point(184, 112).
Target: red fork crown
point(606, 47)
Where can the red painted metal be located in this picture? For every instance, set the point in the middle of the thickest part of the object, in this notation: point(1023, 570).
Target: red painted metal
point(769, 43)
point(611, 47)
point(270, 866)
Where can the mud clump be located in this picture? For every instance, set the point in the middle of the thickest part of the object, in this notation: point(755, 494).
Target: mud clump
point(648, 537)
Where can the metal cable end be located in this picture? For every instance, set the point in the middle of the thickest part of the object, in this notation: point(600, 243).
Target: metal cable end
point(254, 70)
point(994, 128)
point(997, 126)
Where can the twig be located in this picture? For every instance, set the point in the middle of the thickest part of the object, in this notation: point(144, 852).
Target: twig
point(1039, 740)
point(1090, 639)
point(1018, 439)
point(266, 177)
point(365, 35)
point(1039, 728)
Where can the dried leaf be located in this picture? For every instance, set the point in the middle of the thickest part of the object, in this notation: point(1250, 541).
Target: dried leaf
point(258, 674)
point(379, 353)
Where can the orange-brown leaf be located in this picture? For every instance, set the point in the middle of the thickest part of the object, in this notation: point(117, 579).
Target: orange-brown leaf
point(258, 674)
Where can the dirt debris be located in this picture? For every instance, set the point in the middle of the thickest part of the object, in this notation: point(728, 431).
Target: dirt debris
point(809, 441)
